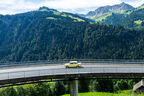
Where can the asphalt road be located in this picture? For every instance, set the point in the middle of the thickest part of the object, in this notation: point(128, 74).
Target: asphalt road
point(58, 69)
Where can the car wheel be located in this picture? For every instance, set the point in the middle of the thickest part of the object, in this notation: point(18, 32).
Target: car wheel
point(66, 66)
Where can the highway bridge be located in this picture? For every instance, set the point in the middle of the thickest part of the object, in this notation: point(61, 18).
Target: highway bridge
point(19, 72)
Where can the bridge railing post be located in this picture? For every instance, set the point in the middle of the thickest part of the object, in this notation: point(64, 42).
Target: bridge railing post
point(24, 75)
point(8, 76)
point(39, 73)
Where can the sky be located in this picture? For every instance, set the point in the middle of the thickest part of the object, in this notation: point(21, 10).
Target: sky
point(73, 6)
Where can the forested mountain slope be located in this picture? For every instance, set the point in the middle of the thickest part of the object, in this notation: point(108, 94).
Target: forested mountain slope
point(49, 34)
point(103, 12)
point(133, 18)
point(130, 19)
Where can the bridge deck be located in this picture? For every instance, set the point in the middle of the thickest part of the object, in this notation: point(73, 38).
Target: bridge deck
point(38, 72)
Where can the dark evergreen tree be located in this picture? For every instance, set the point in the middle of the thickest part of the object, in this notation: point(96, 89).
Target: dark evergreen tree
point(10, 91)
point(43, 89)
point(59, 88)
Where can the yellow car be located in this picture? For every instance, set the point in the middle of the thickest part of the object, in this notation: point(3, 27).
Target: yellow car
point(72, 64)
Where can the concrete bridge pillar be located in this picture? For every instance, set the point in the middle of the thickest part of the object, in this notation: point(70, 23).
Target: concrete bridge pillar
point(74, 87)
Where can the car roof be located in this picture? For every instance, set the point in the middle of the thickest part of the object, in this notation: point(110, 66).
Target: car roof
point(73, 61)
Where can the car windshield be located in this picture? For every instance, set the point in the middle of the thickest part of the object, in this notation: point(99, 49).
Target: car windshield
point(73, 62)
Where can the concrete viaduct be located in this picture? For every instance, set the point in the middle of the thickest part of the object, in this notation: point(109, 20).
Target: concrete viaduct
point(20, 72)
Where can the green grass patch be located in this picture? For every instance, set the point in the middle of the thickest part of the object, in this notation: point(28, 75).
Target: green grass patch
point(141, 7)
point(78, 19)
point(64, 15)
point(52, 18)
point(119, 93)
point(101, 17)
point(138, 22)
point(56, 13)
point(44, 10)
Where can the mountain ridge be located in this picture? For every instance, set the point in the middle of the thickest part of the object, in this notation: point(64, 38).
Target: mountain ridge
point(118, 8)
point(131, 18)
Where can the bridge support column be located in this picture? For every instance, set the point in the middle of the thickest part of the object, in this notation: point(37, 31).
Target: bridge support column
point(74, 88)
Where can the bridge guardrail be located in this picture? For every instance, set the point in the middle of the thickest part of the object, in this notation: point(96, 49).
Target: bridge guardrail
point(62, 61)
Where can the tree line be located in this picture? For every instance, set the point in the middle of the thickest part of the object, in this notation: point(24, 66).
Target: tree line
point(62, 87)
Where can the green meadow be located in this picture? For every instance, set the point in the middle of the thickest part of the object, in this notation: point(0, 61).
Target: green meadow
point(119, 93)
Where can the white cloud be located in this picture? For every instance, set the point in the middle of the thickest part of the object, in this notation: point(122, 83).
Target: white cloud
point(73, 4)
point(18, 6)
point(8, 12)
point(7, 1)
point(21, 4)
point(136, 3)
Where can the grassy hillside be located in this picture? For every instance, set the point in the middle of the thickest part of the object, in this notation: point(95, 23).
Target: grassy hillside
point(118, 8)
point(129, 19)
point(132, 18)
